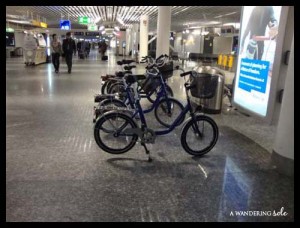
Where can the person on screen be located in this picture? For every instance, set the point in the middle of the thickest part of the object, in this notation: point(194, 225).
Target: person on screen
point(260, 18)
point(68, 48)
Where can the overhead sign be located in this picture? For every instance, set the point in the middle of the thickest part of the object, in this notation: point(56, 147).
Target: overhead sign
point(78, 33)
point(10, 30)
point(35, 23)
point(92, 34)
point(65, 24)
point(84, 20)
point(92, 27)
point(259, 30)
point(43, 25)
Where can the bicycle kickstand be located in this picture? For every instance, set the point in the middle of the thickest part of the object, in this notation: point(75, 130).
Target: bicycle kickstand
point(147, 152)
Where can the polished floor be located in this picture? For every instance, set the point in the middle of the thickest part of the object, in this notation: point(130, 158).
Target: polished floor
point(56, 172)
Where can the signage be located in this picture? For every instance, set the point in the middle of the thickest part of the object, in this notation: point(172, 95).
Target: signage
point(35, 23)
point(259, 30)
point(78, 33)
point(43, 25)
point(92, 27)
point(65, 25)
point(10, 30)
point(84, 20)
point(92, 34)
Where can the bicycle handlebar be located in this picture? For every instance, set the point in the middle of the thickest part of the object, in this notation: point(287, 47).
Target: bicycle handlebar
point(185, 73)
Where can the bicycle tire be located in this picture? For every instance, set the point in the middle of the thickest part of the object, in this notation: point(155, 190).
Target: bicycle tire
point(169, 92)
point(118, 87)
point(184, 136)
point(97, 135)
point(161, 104)
point(104, 88)
point(107, 102)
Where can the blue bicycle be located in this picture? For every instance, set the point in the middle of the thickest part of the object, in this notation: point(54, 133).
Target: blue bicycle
point(165, 107)
point(117, 132)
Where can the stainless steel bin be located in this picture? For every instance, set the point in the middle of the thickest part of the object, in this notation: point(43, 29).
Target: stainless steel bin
point(214, 104)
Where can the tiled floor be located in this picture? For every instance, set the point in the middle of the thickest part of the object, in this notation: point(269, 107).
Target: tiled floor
point(56, 172)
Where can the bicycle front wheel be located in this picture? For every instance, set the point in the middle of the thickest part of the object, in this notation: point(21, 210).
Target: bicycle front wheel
point(199, 136)
point(109, 133)
point(167, 110)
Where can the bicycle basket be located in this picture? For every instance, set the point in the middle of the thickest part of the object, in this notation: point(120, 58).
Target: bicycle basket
point(150, 84)
point(166, 70)
point(204, 85)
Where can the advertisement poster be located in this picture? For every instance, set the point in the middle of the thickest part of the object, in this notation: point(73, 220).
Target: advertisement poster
point(259, 30)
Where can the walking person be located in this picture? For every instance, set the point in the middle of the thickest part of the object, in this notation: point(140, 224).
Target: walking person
point(102, 48)
point(56, 52)
point(68, 48)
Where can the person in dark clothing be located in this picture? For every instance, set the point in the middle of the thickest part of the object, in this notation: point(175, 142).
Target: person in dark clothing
point(78, 47)
point(260, 18)
point(102, 48)
point(68, 48)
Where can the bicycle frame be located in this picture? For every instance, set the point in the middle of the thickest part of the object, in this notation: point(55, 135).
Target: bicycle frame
point(187, 108)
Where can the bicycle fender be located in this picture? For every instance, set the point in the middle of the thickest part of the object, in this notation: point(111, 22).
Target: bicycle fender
point(187, 120)
point(114, 111)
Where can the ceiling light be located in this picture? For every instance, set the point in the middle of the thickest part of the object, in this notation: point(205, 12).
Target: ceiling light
point(19, 21)
point(187, 31)
point(120, 21)
point(183, 32)
point(117, 28)
point(97, 20)
point(196, 32)
point(226, 14)
point(235, 25)
point(101, 27)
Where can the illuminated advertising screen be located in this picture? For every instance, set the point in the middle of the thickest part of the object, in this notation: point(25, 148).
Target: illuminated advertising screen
point(259, 31)
point(65, 25)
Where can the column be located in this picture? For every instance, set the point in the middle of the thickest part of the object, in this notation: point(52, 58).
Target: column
point(134, 36)
point(144, 24)
point(283, 150)
point(163, 30)
point(128, 41)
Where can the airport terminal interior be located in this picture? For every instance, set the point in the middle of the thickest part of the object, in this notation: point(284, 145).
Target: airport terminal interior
point(149, 113)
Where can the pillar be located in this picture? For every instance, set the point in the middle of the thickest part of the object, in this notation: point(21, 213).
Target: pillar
point(163, 30)
point(134, 36)
point(283, 150)
point(128, 41)
point(144, 24)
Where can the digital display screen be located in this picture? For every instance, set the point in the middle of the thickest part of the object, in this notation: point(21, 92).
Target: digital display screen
point(259, 30)
point(65, 24)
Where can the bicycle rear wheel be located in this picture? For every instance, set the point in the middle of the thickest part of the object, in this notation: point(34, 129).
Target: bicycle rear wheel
point(109, 136)
point(200, 136)
point(119, 88)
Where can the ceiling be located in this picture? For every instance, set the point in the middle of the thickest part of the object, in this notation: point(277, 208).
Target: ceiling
point(124, 16)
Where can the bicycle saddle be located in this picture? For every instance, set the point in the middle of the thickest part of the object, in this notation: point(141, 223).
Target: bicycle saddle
point(124, 61)
point(129, 67)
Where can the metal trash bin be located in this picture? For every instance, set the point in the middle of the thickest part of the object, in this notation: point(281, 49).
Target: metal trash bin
point(212, 105)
